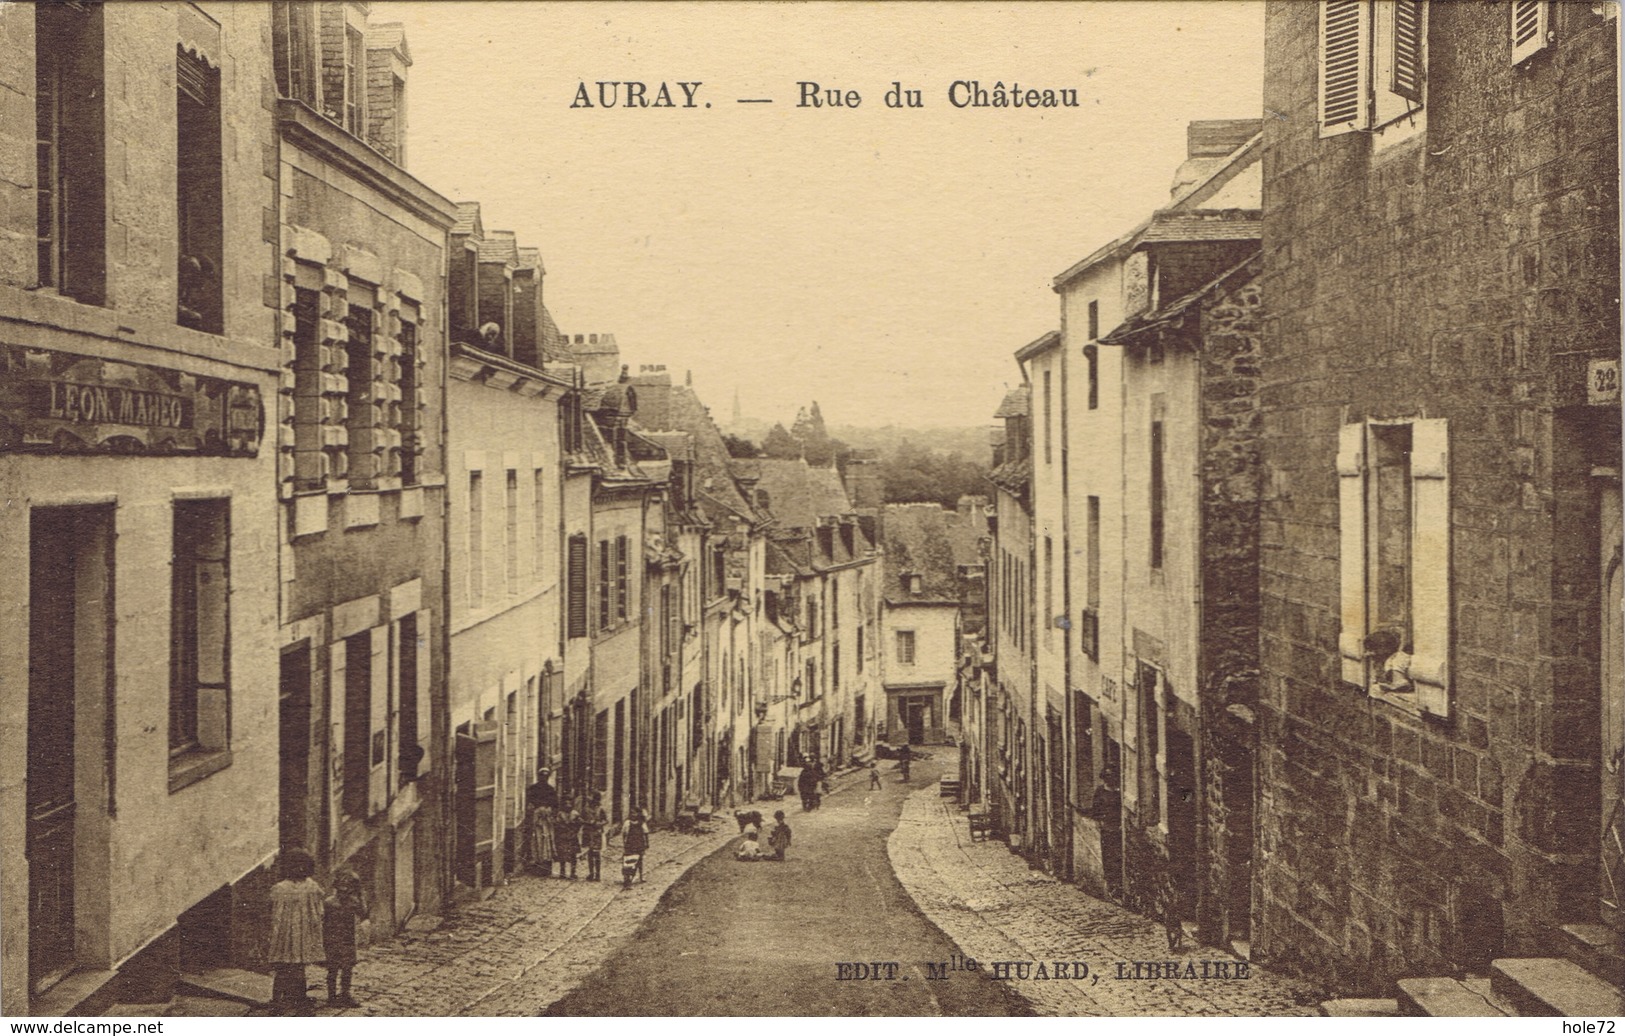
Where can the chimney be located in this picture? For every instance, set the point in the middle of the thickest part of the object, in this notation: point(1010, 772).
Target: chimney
point(1208, 142)
point(387, 62)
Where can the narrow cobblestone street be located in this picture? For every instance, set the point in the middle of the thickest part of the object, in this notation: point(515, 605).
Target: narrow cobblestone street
point(874, 875)
point(995, 908)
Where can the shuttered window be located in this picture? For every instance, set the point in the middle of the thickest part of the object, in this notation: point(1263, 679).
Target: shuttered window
point(1394, 555)
point(604, 586)
point(577, 587)
point(1408, 68)
point(1345, 66)
point(621, 588)
point(1531, 24)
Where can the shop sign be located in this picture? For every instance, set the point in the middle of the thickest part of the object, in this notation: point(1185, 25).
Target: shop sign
point(57, 402)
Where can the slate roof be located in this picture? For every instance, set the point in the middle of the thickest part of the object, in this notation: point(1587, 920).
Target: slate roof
point(926, 540)
point(1127, 331)
point(468, 218)
point(1017, 403)
point(799, 494)
point(664, 407)
point(1013, 476)
point(1207, 225)
point(389, 36)
point(499, 247)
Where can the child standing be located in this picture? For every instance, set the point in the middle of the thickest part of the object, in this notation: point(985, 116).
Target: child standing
point(344, 910)
point(567, 841)
point(592, 838)
point(874, 777)
point(296, 931)
point(779, 840)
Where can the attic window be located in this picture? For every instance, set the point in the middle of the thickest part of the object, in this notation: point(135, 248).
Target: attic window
point(915, 583)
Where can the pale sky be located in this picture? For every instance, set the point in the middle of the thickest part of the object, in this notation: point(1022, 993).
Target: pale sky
point(885, 262)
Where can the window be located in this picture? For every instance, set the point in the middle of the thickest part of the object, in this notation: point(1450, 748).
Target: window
point(355, 70)
point(1153, 720)
point(1091, 356)
point(622, 597)
point(293, 51)
point(1094, 320)
point(1047, 417)
point(1089, 629)
point(812, 680)
point(366, 691)
point(1531, 27)
point(410, 408)
point(476, 539)
point(1394, 559)
point(200, 623)
point(1373, 62)
point(361, 370)
point(835, 668)
point(605, 587)
point(860, 652)
point(600, 754)
point(70, 187)
point(538, 520)
point(198, 194)
point(905, 647)
point(812, 617)
point(834, 603)
point(414, 714)
point(510, 531)
point(577, 577)
point(1156, 494)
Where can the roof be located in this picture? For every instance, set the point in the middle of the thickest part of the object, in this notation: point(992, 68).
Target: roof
point(389, 36)
point(1130, 329)
point(468, 219)
point(1043, 343)
point(1203, 225)
point(664, 407)
point(799, 494)
point(1013, 476)
point(530, 259)
point(499, 247)
point(928, 541)
point(1184, 201)
point(1017, 403)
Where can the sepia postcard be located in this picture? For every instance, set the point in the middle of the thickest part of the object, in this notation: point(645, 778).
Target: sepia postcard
point(810, 510)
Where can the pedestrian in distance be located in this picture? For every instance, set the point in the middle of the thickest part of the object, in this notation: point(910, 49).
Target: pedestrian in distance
point(905, 757)
point(634, 843)
point(779, 840)
point(807, 786)
point(296, 931)
point(342, 914)
point(874, 777)
point(567, 841)
point(593, 821)
point(1167, 905)
point(542, 849)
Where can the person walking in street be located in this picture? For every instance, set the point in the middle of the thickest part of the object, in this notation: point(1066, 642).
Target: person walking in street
point(567, 841)
point(593, 821)
point(296, 931)
point(634, 843)
point(779, 839)
point(1167, 905)
point(874, 777)
point(342, 914)
point(904, 758)
point(806, 784)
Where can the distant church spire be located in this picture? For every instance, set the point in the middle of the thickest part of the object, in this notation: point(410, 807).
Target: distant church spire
point(736, 404)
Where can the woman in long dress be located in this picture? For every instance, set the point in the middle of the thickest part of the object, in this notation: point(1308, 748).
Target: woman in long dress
point(541, 839)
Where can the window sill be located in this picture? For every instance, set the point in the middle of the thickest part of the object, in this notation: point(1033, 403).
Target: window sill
point(195, 765)
point(1406, 702)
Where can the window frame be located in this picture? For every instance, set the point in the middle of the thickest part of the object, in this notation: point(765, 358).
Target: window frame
point(199, 706)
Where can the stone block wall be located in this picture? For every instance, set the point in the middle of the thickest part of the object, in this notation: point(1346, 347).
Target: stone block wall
point(1468, 273)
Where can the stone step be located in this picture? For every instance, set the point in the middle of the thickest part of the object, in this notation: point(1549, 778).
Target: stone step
point(1595, 948)
point(82, 992)
point(1356, 1007)
point(1442, 998)
point(1553, 987)
point(249, 987)
point(1482, 985)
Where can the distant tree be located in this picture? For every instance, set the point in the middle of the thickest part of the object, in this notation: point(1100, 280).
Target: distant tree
point(740, 447)
point(912, 474)
point(779, 445)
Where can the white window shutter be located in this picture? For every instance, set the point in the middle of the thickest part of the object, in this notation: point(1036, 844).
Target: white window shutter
point(1345, 66)
point(1430, 566)
point(1351, 552)
point(377, 790)
point(425, 623)
point(1410, 49)
point(337, 668)
point(1531, 24)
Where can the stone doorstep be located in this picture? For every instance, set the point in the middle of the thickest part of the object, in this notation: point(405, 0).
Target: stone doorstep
point(1551, 987)
point(1594, 947)
point(1442, 998)
point(1354, 1007)
point(68, 996)
point(1481, 985)
point(248, 987)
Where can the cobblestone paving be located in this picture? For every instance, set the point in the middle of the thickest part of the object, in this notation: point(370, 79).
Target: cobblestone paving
point(523, 948)
point(996, 909)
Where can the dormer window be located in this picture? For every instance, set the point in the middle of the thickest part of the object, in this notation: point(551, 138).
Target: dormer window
point(914, 583)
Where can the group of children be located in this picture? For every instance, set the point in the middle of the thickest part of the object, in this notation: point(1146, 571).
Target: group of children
point(778, 839)
point(310, 925)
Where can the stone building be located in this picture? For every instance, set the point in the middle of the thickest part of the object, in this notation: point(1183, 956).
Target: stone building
point(361, 474)
point(927, 551)
point(1441, 429)
point(504, 467)
point(1008, 694)
point(139, 372)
